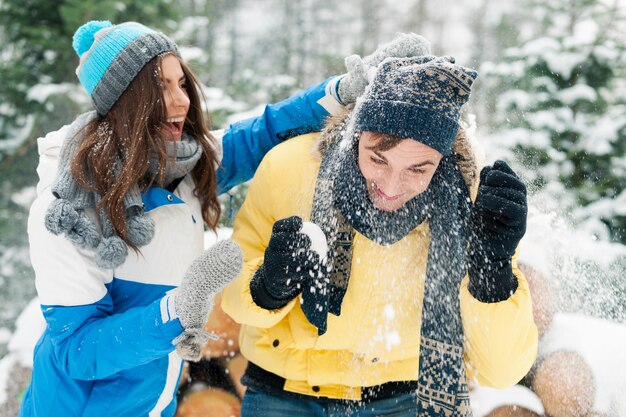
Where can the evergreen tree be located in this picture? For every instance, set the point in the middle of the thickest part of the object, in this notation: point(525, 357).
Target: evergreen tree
point(561, 108)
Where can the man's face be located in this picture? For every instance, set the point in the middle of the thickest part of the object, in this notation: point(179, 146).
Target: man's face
point(395, 175)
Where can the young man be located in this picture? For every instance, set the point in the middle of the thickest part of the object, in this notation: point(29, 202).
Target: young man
point(419, 290)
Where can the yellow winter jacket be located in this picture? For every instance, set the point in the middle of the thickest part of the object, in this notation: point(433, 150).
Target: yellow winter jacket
point(376, 339)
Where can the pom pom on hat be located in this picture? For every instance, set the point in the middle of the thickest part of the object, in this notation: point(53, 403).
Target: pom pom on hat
point(84, 35)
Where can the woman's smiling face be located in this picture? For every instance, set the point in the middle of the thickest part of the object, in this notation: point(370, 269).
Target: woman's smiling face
point(175, 95)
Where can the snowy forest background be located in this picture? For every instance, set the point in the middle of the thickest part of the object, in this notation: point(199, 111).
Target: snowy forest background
point(551, 99)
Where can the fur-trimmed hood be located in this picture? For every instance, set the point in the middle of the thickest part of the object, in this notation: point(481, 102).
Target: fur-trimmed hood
point(468, 155)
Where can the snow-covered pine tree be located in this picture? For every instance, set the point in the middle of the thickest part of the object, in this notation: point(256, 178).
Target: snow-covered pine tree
point(560, 108)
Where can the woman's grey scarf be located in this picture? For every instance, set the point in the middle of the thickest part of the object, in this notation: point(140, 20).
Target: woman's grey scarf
point(66, 214)
point(341, 204)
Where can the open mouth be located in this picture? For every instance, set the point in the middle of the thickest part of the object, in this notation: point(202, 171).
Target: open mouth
point(174, 126)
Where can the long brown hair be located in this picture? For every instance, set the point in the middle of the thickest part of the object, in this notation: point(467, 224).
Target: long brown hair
point(129, 133)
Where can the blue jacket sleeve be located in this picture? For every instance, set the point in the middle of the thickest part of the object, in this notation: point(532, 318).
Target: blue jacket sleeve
point(91, 344)
point(245, 143)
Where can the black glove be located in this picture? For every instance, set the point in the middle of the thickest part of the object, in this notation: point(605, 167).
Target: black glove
point(498, 224)
point(289, 263)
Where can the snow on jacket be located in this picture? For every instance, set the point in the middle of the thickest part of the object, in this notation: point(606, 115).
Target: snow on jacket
point(107, 349)
point(376, 339)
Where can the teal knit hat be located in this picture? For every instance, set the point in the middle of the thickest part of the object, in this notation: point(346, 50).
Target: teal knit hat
point(111, 56)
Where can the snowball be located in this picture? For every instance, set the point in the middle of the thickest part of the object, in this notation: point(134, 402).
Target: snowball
point(318, 239)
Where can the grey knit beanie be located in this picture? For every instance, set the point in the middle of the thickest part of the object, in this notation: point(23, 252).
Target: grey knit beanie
point(111, 56)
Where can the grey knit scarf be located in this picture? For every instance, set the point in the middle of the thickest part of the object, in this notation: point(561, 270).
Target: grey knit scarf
point(66, 214)
point(341, 204)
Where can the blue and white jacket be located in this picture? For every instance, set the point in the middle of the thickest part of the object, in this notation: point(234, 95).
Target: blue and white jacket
point(107, 349)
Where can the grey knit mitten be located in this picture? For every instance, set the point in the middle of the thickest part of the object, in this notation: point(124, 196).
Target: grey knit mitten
point(361, 71)
point(207, 276)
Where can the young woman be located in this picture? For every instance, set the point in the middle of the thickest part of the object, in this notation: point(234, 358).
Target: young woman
point(124, 195)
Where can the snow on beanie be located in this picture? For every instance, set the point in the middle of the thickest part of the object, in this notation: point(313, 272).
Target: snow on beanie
point(111, 56)
point(418, 98)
